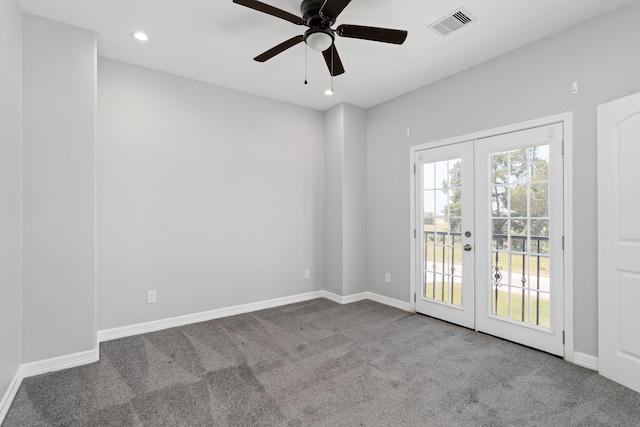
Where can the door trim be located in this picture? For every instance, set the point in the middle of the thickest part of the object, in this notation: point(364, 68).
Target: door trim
point(567, 120)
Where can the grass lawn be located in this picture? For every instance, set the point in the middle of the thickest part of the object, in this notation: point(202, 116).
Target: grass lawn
point(435, 252)
point(515, 312)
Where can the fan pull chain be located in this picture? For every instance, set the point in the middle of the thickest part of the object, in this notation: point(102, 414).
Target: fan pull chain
point(305, 63)
point(332, 56)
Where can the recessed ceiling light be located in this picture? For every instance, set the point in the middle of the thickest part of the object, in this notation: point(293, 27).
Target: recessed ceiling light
point(139, 35)
point(328, 92)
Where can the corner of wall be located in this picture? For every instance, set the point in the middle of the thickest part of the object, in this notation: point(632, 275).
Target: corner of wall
point(10, 194)
point(10, 394)
point(58, 163)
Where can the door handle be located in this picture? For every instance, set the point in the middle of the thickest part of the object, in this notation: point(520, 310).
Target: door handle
point(467, 247)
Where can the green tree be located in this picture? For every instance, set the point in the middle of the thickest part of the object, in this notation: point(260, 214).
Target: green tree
point(428, 218)
point(453, 186)
point(519, 189)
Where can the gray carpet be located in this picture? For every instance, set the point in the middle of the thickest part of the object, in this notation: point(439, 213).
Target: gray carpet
point(320, 363)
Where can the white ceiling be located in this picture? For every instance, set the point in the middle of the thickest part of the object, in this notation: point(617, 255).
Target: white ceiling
point(215, 41)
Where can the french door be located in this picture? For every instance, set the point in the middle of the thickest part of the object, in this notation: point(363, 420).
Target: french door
point(490, 243)
point(444, 201)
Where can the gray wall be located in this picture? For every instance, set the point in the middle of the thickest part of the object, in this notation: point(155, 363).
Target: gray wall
point(10, 198)
point(532, 82)
point(59, 98)
point(345, 200)
point(333, 200)
point(209, 196)
point(355, 200)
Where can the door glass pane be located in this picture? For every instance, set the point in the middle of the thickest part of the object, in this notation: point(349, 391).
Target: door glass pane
point(500, 168)
point(442, 174)
point(442, 242)
point(519, 212)
point(429, 203)
point(498, 195)
point(539, 196)
point(429, 177)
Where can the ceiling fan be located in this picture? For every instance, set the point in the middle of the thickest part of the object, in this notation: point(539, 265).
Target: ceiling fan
point(319, 16)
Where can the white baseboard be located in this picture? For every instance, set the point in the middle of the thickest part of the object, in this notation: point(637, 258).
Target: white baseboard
point(10, 394)
point(59, 363)
point(344, 300)
point(586, 361)
point(402, 305)
point(158, 325)
point(42, 367)
point(367, 296)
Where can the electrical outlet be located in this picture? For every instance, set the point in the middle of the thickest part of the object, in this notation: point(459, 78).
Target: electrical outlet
point(387, 277)
point(307, 274)
point(151, 297)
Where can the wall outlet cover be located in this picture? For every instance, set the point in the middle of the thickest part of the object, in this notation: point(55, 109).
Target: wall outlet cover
point(151, 297)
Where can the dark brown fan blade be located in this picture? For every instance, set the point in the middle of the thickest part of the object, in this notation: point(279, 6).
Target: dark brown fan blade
point(332, 8)
point(279, 49)
point(274, 11)
point(376, 34)
point(335, 67)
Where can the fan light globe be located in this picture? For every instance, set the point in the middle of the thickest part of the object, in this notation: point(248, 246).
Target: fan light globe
point(319, 41)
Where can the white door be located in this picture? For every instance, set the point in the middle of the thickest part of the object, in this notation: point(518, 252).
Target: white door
point(619, 241)
point(519, 229)
point(444, 201)
point(489, 247)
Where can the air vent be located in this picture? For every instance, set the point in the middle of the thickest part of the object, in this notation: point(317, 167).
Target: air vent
point(453, 22)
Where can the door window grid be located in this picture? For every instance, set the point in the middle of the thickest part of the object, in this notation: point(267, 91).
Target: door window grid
point(442, 238)
point(520, 287)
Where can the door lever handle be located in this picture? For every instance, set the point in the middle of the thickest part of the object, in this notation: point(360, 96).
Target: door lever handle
point(467, 247)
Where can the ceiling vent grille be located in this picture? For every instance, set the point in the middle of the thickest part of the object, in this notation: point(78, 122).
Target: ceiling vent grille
point(453, 22)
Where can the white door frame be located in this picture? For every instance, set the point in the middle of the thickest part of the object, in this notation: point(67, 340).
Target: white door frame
point(567, 120)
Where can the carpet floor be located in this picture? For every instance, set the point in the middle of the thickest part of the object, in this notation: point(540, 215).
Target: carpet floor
point(323, 364)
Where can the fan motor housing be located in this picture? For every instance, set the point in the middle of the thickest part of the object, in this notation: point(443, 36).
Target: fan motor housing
point(311, 13)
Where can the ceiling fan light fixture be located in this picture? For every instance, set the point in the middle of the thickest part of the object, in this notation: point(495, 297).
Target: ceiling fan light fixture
point(319, 40)
point(319, 16)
